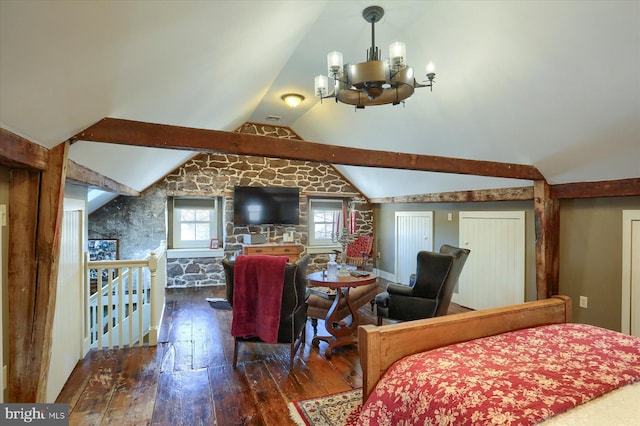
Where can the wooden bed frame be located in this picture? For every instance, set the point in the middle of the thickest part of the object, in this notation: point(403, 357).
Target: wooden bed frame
point(381, 346)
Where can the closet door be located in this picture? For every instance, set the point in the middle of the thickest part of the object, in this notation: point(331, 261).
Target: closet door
point(414, 232)
point(3, 223)
point(631, 272)
point(494, 274)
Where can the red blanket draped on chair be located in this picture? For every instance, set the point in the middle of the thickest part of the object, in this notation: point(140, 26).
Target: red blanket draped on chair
point(257, 296)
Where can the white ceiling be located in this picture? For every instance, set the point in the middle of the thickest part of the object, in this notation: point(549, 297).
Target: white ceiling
point(550, 84)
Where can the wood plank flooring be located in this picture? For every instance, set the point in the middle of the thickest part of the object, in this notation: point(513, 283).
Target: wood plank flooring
point(188, 378)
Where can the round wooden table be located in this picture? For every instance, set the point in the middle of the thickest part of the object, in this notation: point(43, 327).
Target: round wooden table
point(341, 332)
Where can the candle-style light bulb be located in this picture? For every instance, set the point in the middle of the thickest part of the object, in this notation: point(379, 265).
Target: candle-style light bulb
point(321, 83)
point(334, 63)
point(431, 68)
point(397, 54)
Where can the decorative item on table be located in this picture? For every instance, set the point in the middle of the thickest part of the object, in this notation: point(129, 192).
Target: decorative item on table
point(352, 217)
point(342, 236)
point(332, 267)
point(287, 237)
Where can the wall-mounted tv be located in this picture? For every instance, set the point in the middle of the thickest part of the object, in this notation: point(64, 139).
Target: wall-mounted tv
point(266, 205)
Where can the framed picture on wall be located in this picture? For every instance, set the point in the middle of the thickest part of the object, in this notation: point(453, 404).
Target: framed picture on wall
point(214, 244)
point(102, 250)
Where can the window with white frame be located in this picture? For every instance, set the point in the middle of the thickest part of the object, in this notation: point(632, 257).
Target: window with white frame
point(195, 221)
point(323, 215)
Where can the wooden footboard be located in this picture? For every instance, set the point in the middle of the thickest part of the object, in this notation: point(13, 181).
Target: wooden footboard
point(382, 346)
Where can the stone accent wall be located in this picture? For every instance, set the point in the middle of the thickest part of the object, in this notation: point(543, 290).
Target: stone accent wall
point(138, 223)
point(216, 174)
point(194, 272)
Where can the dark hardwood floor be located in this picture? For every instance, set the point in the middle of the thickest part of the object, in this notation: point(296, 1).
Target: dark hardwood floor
point(188, 378)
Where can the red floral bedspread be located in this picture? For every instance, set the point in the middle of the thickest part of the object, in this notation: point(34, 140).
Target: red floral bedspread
point(522, 377)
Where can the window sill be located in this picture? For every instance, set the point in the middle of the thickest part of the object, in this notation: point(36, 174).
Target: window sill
point(325, 249)
point(194, 252)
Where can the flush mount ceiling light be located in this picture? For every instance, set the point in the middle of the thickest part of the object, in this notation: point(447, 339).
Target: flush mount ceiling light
point(292, 99)
point(376, 81)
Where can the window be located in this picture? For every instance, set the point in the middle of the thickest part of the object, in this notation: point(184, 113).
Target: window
point(195, 221)
point(323, 214)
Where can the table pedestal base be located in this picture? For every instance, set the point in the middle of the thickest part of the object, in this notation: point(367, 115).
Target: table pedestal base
point(334, 342)
point(341, 333)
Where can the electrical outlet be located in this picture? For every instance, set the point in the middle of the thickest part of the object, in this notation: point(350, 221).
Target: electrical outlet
point(584, 302)
point(450, 217)
point(379, 255)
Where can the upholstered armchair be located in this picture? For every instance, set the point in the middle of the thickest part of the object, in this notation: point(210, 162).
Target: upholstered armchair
point(293, 311)
point(359, 251)
point(430, 290)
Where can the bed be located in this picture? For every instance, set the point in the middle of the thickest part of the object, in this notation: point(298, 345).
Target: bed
point(420, 369)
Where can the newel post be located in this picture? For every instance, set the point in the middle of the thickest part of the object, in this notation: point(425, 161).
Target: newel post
point(153, 327)
point(158, 270)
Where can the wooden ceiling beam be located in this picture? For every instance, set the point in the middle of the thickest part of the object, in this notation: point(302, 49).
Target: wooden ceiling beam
point(127, 132)
point(609, 188)
point(18, 152)
point(500, 194)
point(84, 175)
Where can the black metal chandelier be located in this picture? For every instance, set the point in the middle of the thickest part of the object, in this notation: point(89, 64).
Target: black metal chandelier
point(376, 81)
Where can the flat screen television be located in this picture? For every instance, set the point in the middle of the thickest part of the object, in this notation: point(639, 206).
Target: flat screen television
point(266, 205)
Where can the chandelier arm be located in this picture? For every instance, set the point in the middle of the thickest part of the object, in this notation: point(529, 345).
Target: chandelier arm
point(418, 85)
point(329, 95)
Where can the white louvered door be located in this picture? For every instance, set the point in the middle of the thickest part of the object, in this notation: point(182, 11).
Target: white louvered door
point(414, 232)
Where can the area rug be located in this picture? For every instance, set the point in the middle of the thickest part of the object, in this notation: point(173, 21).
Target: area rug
point(338, 409)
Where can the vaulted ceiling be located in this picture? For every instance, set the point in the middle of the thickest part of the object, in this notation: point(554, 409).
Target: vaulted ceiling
point(554, 84)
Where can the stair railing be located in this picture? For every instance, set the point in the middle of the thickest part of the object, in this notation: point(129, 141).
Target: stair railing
point(126, 306)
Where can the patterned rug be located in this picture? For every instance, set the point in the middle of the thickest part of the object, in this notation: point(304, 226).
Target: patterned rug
point(338, 409)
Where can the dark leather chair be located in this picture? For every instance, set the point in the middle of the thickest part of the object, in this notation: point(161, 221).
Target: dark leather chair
point(293, 312)
point(430, 290)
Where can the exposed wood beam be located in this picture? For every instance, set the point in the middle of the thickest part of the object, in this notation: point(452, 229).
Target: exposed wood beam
point(18, 152)
point(138, 133)
point(24, 185)
point(79, 173)
point(50, 213)
point(547, 231)
point(35, 218)
point(503, 194)
point(609, 188)
point(330, 194)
